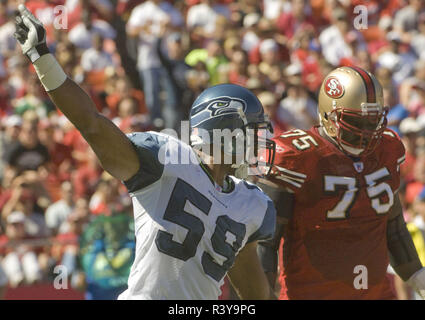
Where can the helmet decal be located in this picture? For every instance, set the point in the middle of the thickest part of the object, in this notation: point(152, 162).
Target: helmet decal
point(226, 105)
point(218, 107)
point(334, 88)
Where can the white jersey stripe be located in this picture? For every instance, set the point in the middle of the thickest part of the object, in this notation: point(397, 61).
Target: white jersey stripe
point(401, 159)
point(289, 181)
point(297, 174)
point(292, 178)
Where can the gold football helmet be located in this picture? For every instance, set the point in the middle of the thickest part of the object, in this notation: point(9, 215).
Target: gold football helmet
point(351, 109)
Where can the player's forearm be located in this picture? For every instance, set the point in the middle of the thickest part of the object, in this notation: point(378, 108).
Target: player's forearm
point(114, 151)
point(247, 276)
point(403, 256)
point(268, 255)
point(76, 105)
point(249, 290)
point(405, 271)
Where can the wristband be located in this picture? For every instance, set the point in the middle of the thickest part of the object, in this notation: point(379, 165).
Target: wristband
point(37, 52)
point(49, 72)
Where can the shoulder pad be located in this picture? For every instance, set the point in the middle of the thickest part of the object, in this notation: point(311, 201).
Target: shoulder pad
point(390, 134)
point(297, 140)
point(394, 146)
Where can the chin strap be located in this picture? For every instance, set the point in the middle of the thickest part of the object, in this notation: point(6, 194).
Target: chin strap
point(351, 150)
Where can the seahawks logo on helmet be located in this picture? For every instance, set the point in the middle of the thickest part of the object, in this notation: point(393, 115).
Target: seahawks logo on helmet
point(218, 107)
point(225, 105)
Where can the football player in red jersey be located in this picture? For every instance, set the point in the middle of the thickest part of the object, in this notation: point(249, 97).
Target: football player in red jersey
point(335, 189)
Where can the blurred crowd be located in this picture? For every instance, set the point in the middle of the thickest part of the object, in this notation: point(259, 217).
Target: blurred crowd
point(143, 63)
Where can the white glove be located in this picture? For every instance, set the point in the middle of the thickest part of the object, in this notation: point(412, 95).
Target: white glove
point(31, 34)
point(417, 282)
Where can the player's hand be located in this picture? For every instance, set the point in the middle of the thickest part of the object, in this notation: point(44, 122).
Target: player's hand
point(30, 34)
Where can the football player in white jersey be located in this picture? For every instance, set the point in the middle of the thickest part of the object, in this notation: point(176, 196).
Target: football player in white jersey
point(194, 222)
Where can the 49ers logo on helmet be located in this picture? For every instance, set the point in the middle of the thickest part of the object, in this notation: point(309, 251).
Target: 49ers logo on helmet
point(334, 88)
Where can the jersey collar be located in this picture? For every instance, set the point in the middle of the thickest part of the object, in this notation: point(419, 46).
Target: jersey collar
point(228, 183)
point(321, 133)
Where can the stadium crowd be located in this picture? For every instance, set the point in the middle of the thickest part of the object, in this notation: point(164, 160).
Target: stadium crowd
point(144, 62)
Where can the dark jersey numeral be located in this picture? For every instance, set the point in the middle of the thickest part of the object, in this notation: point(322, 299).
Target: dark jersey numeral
point(176, 213)
point(222, 247)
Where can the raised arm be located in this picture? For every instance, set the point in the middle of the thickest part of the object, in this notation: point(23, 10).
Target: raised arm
point(114, 150)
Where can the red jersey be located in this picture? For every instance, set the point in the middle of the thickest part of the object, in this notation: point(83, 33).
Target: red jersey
point(338, 225)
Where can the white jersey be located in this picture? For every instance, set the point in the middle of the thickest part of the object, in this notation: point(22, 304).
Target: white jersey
point(187, 231)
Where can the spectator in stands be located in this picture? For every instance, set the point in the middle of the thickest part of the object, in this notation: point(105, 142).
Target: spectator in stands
point(406, 19)
point(8, 138)
point(176, 68)
point(86, 176)
point(20, 261)
point(251, 36)
point(397, 111)
point(146, 23)
point(127, 109)
point(269, 52)
point(212, 57)
point(28, 195)
point(106, 255)
point(28, 153)
point(58, 212)
point(202, 18)
point(408, 95)
point(60, 162)
point(34, 99)
point(333, 39)
point(7, 29)
point(82, 34)
point(270, 105)
point(107, 198)
point(295, 20)
point(399, 60)
point(418, 38)
point(122, 89)
point(66, 245)
point(297, 109)
point(95, 58)
point(409, 130)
